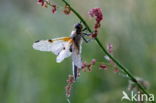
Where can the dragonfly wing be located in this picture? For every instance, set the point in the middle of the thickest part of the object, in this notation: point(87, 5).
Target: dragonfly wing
point(77, 60)
point(52, 45)
point(65, 52)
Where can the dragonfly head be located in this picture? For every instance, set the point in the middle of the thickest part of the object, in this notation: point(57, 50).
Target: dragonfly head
point(78, 26)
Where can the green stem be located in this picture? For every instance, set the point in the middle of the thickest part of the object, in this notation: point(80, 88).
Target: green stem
point(105, 51)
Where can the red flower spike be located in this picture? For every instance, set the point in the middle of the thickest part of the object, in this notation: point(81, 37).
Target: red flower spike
point(40, 1)
point(67, 10)
point(93, 61)
point(96, 26)
point(94, 35)
point(97, 13)
point(109, 48)
point(89, 67)
point(70, 79)
point(104, 67)
point(84, 64)
point(70, 82)
point(116, 70)
point(53, 9)
point(68, 90)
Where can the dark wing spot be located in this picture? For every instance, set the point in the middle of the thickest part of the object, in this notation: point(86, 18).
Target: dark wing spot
point(64, 48)
point(37, 41)
point(50, 40)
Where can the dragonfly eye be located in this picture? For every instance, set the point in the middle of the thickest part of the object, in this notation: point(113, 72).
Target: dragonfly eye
point(78, 26)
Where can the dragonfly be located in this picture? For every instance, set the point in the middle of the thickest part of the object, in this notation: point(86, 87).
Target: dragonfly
point(64, 47)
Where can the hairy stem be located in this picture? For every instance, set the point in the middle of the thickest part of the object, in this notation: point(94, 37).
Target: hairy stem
point(123, 68)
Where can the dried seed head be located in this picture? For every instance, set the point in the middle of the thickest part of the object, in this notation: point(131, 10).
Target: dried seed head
point(68, 90)
point(93, 61)
point(84, 65)
point(109, 48)
point(53, 9)
point(89, 67)
point(94, 34)
point(40, 2)
point(67, 10)
point(70, 79)
point(116, 70)
point(43, 3)
point(134, 87)
point(70, 82)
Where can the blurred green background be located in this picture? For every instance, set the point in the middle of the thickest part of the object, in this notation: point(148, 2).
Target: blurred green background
point(30, 76)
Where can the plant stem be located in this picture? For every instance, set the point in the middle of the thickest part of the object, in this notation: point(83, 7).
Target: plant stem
point(123, 68)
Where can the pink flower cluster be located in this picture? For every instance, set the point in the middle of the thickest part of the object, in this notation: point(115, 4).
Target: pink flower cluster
point(67, 10)
point(97, 13)
point(46, 3)
point(70, 82)
point(110, 49)
point(103, 67)
point(41, 2)
point(53, 9)
point(71, 79)
point(88, 66)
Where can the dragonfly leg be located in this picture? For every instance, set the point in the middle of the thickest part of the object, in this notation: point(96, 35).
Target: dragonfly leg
point(87, 34)
point(86, 40)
